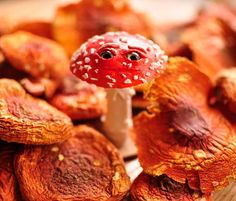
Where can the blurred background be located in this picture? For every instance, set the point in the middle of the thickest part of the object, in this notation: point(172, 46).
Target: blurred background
point(160, 10)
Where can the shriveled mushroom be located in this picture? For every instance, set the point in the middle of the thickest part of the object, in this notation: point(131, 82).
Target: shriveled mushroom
point(9, 189)
point(85, 167)
point(39, 57)
point(117, 61)
point(217, 38)
point(24, 119)
point(77, 22)
point(225, 89)
point(182, 136)
point(163, 188)
point(79, 100)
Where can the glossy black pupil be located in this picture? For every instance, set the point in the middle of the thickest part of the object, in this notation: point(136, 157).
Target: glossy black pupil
point(134, 56)
point(106, 54)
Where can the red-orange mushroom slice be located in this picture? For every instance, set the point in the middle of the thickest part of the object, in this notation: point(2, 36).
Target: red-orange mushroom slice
point(85, 167)
point(75, 23)
point(163, 188)
point(213, 45)
point(182, 136)
point(9, 189)
point(24, 119)
point(39, 57)
point(79, 100)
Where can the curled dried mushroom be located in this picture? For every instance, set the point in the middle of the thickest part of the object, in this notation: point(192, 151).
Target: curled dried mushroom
point(85, 167)
point(163, 188)
point(40, 28)
point(183, 136)
point(79, 100)
point(225, 89)
point(75, 23)
point(213, 45)
point(39, 57)
point(28, 120)
point(8, 184)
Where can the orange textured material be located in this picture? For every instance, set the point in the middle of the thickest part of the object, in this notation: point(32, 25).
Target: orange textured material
point(8, 184)
point(75, 23)
point(162, 188)
point(183, 136)
point(79, 100)
point(85, 167)
point(28, 120)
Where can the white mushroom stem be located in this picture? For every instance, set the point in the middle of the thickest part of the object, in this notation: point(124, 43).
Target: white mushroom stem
point(226, 194)
point(118, 120)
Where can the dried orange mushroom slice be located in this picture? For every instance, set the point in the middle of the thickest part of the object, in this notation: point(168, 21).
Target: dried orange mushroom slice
point(213, 45)
point(85, 167)
point(8, 184)
point(40, 28)
point(77, 22)
point(225, 89)
point(163, 188)
point(80, 100)
point(28, 120)
point(35, 55)
point(183, 137)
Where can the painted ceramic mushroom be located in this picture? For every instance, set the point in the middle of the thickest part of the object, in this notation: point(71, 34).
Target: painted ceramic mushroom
point(118, 61)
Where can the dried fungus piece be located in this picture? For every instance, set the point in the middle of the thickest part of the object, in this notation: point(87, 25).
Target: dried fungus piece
point(169, 37)
point(225, 89)
point(28, 120)
point(77, 22)
point(221, 11)
point(8, 184)
point(35, 55)
point(163, 188)
point(79, 100)
point(183, 136)
point(40, 28)
point(85, 167)
point(44, 61)
point(213, 45)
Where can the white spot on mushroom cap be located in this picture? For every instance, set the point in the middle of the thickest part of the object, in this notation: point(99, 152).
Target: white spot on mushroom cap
point(96, 70)
point(128, 81)
point(135, 77)
point(92, 50)
point(85, 76)
point(129, 65)
point(148, 74)
point(79, 62)
point(87, 60)
point(123, 39)
point(94, 79)
point(81, 68)
point(87, 67)
point(143, 80)
point(124, 63)
point(110, 84)
point(74, 70)
point(110, 78)
point(123, 75)
point(96, 60)
point(101, 43)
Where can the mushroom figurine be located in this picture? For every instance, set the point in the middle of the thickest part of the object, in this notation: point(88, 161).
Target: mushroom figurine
point(118, 61)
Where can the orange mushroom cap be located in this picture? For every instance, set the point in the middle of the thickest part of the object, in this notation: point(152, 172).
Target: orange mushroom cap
point(146, 187)
point(183, 136)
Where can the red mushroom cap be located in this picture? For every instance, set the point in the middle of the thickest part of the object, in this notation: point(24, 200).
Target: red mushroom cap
point(118, 60)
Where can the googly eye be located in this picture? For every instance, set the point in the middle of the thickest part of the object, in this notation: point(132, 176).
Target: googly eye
point(106, 54)
point(133, 56)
